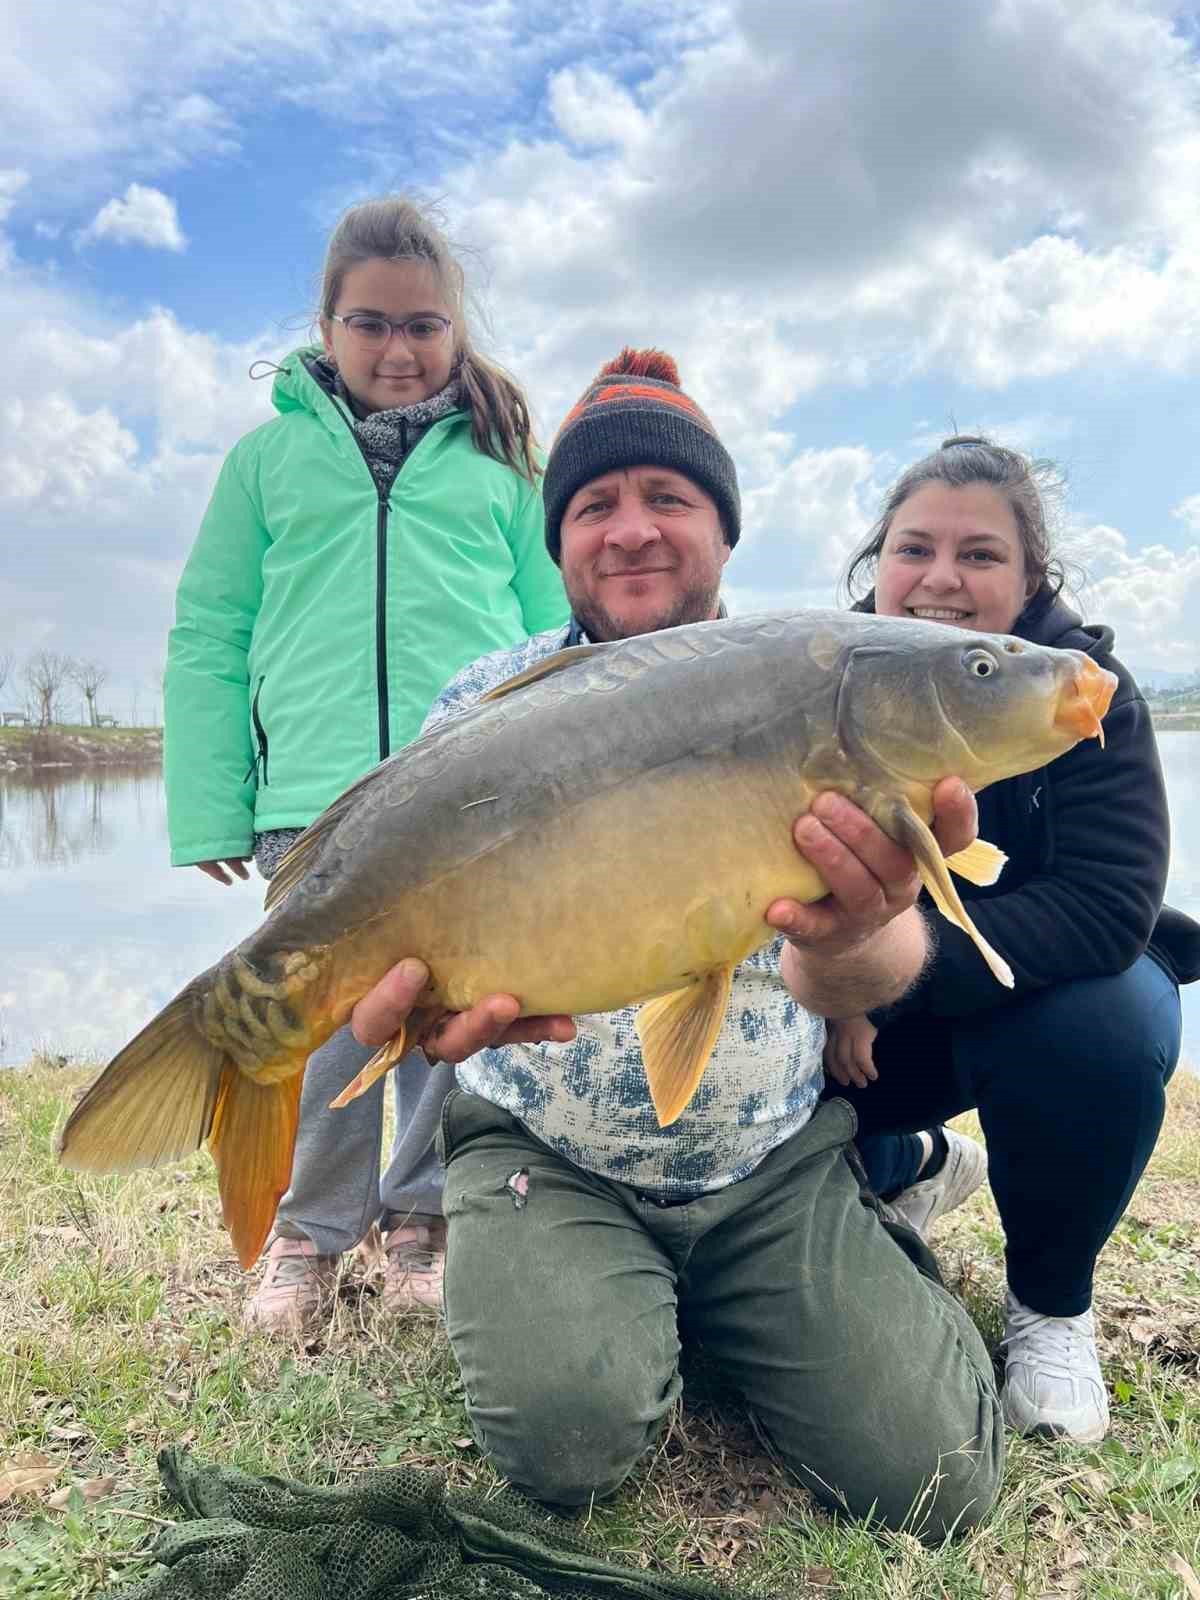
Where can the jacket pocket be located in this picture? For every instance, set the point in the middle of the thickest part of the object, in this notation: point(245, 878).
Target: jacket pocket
point(258, 767)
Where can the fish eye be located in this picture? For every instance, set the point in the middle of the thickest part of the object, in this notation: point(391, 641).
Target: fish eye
point(979, 663)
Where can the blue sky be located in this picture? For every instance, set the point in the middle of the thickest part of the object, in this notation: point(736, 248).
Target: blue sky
point(854, 227)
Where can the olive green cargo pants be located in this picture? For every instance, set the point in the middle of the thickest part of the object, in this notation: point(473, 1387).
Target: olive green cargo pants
point(566, 1296)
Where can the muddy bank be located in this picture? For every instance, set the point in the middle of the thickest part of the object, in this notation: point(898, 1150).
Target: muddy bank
point(23, 748)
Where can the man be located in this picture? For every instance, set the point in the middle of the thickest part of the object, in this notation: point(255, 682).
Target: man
point(583, 1238)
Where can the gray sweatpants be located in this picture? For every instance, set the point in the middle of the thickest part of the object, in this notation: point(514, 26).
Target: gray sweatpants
point(336, 1191)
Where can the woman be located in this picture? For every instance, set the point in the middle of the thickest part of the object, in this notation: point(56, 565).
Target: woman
point(1068, 1069)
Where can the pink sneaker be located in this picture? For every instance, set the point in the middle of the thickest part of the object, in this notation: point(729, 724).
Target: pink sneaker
point(296, 1291)
point(416, 1265)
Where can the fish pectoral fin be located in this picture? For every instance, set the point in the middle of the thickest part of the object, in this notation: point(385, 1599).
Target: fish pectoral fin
point(382, 1061)
point(543, 669)
point(252, 1141)
point(153, 1103)
point(980, 863)
point(911, 832)
point(677, 1033)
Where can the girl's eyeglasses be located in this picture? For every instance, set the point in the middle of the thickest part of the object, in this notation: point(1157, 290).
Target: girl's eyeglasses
point(373, 332)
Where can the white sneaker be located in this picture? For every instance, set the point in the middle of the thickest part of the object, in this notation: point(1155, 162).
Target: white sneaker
point(1053, 1384)
point(964, 1169)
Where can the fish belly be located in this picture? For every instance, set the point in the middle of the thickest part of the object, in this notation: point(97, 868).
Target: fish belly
point(621, 898)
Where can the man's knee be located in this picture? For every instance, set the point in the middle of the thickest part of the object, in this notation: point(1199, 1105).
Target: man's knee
point(569, 1443)
point(932, 1498)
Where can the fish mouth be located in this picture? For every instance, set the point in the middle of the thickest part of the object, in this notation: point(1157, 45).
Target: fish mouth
point(1085, 701)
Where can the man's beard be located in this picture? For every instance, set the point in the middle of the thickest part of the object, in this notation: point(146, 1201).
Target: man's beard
point(697, 604)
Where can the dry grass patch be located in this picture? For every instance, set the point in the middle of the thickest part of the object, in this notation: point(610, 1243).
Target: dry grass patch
point(120, 1333)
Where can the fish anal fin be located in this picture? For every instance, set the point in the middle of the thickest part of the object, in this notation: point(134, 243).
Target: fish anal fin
point(677, 1033)
point(911, 832)
point(382, 1061)
point(543, 669)
point(252, 1142)
point(153, 1103)
point(980, 863)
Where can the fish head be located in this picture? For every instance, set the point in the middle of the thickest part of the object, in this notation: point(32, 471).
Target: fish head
point(977, 706)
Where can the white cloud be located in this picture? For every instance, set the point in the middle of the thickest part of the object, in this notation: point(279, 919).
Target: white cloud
point(1188, 512)
point(12, 181)
point(772, 202)
point(141, 216)
point(1149, 595)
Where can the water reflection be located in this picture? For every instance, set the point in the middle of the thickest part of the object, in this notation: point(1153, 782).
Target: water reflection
point(97, 932)
point(62, 818)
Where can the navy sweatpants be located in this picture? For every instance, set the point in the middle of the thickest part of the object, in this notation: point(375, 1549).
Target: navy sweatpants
point(1069, 1083)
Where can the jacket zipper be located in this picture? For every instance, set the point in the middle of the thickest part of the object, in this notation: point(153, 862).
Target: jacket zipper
point(260, 734)
point(381, 676)
point(381, 528)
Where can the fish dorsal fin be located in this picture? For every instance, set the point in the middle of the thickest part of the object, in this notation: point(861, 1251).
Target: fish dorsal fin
point(292, 867)
point(298, 858)
point(980, 863)
point(911, 832)
point(677, 1033)
point(543, 669)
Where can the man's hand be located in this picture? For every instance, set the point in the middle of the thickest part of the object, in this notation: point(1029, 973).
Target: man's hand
point(216, 869)
point(871, 879)
point(849, 1057)
point(456, 1034)
point(864, 944)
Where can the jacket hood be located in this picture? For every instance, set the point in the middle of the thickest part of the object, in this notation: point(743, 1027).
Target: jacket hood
point(1046, 619)
point(305, 382)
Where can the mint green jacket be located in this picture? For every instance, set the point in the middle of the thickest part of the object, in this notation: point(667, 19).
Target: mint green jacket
point(316, 619)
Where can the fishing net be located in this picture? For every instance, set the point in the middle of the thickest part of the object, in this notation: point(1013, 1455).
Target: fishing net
point(395, 1533)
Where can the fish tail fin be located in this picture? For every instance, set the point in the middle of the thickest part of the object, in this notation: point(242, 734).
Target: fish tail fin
point(153, 1103)
point(252, 1142)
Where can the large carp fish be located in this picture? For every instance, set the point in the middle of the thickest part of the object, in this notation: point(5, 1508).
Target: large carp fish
point(607, 828)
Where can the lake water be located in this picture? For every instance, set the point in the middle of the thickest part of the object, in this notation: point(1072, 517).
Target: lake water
point(97, 932)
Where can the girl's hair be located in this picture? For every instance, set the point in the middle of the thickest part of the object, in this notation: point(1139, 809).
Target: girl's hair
point(396, 229)
point(958, 462)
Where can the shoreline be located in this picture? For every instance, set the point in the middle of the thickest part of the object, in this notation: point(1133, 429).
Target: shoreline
point(34, 749)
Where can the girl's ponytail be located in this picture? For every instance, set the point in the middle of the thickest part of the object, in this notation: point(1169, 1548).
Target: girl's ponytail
point(397, 229)
point(500, 424)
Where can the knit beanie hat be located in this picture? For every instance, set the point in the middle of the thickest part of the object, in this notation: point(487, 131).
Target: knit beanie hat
point(634, 414)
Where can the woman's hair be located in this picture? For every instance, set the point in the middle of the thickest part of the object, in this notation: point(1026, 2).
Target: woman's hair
point(959, 462)
point(396, 229)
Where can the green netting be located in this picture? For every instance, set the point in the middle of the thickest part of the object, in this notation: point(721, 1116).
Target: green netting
point(392, 1534)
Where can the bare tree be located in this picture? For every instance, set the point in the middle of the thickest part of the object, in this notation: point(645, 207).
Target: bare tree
point(90, 678)
point(45, 672)
point(6, 666)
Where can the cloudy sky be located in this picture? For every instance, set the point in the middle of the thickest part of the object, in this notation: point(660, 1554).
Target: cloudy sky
point(856, 228)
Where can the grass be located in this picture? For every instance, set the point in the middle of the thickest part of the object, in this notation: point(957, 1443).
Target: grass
point(119, 1333)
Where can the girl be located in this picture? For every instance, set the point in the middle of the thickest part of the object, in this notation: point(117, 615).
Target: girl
point(1068, 1070)
point(382, 531)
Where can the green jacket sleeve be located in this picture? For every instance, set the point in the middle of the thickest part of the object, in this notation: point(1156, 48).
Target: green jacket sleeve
point(537, 582)
point(207, 748)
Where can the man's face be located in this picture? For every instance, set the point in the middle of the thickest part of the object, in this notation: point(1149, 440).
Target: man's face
point(642, 549)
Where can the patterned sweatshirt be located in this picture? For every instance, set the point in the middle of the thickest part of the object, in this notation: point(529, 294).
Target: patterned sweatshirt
point(589, 1100)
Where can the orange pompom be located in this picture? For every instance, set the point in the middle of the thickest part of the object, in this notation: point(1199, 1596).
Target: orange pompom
point(643, 364)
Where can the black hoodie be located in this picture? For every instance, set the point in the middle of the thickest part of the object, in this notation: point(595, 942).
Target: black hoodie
point(1087, 840)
